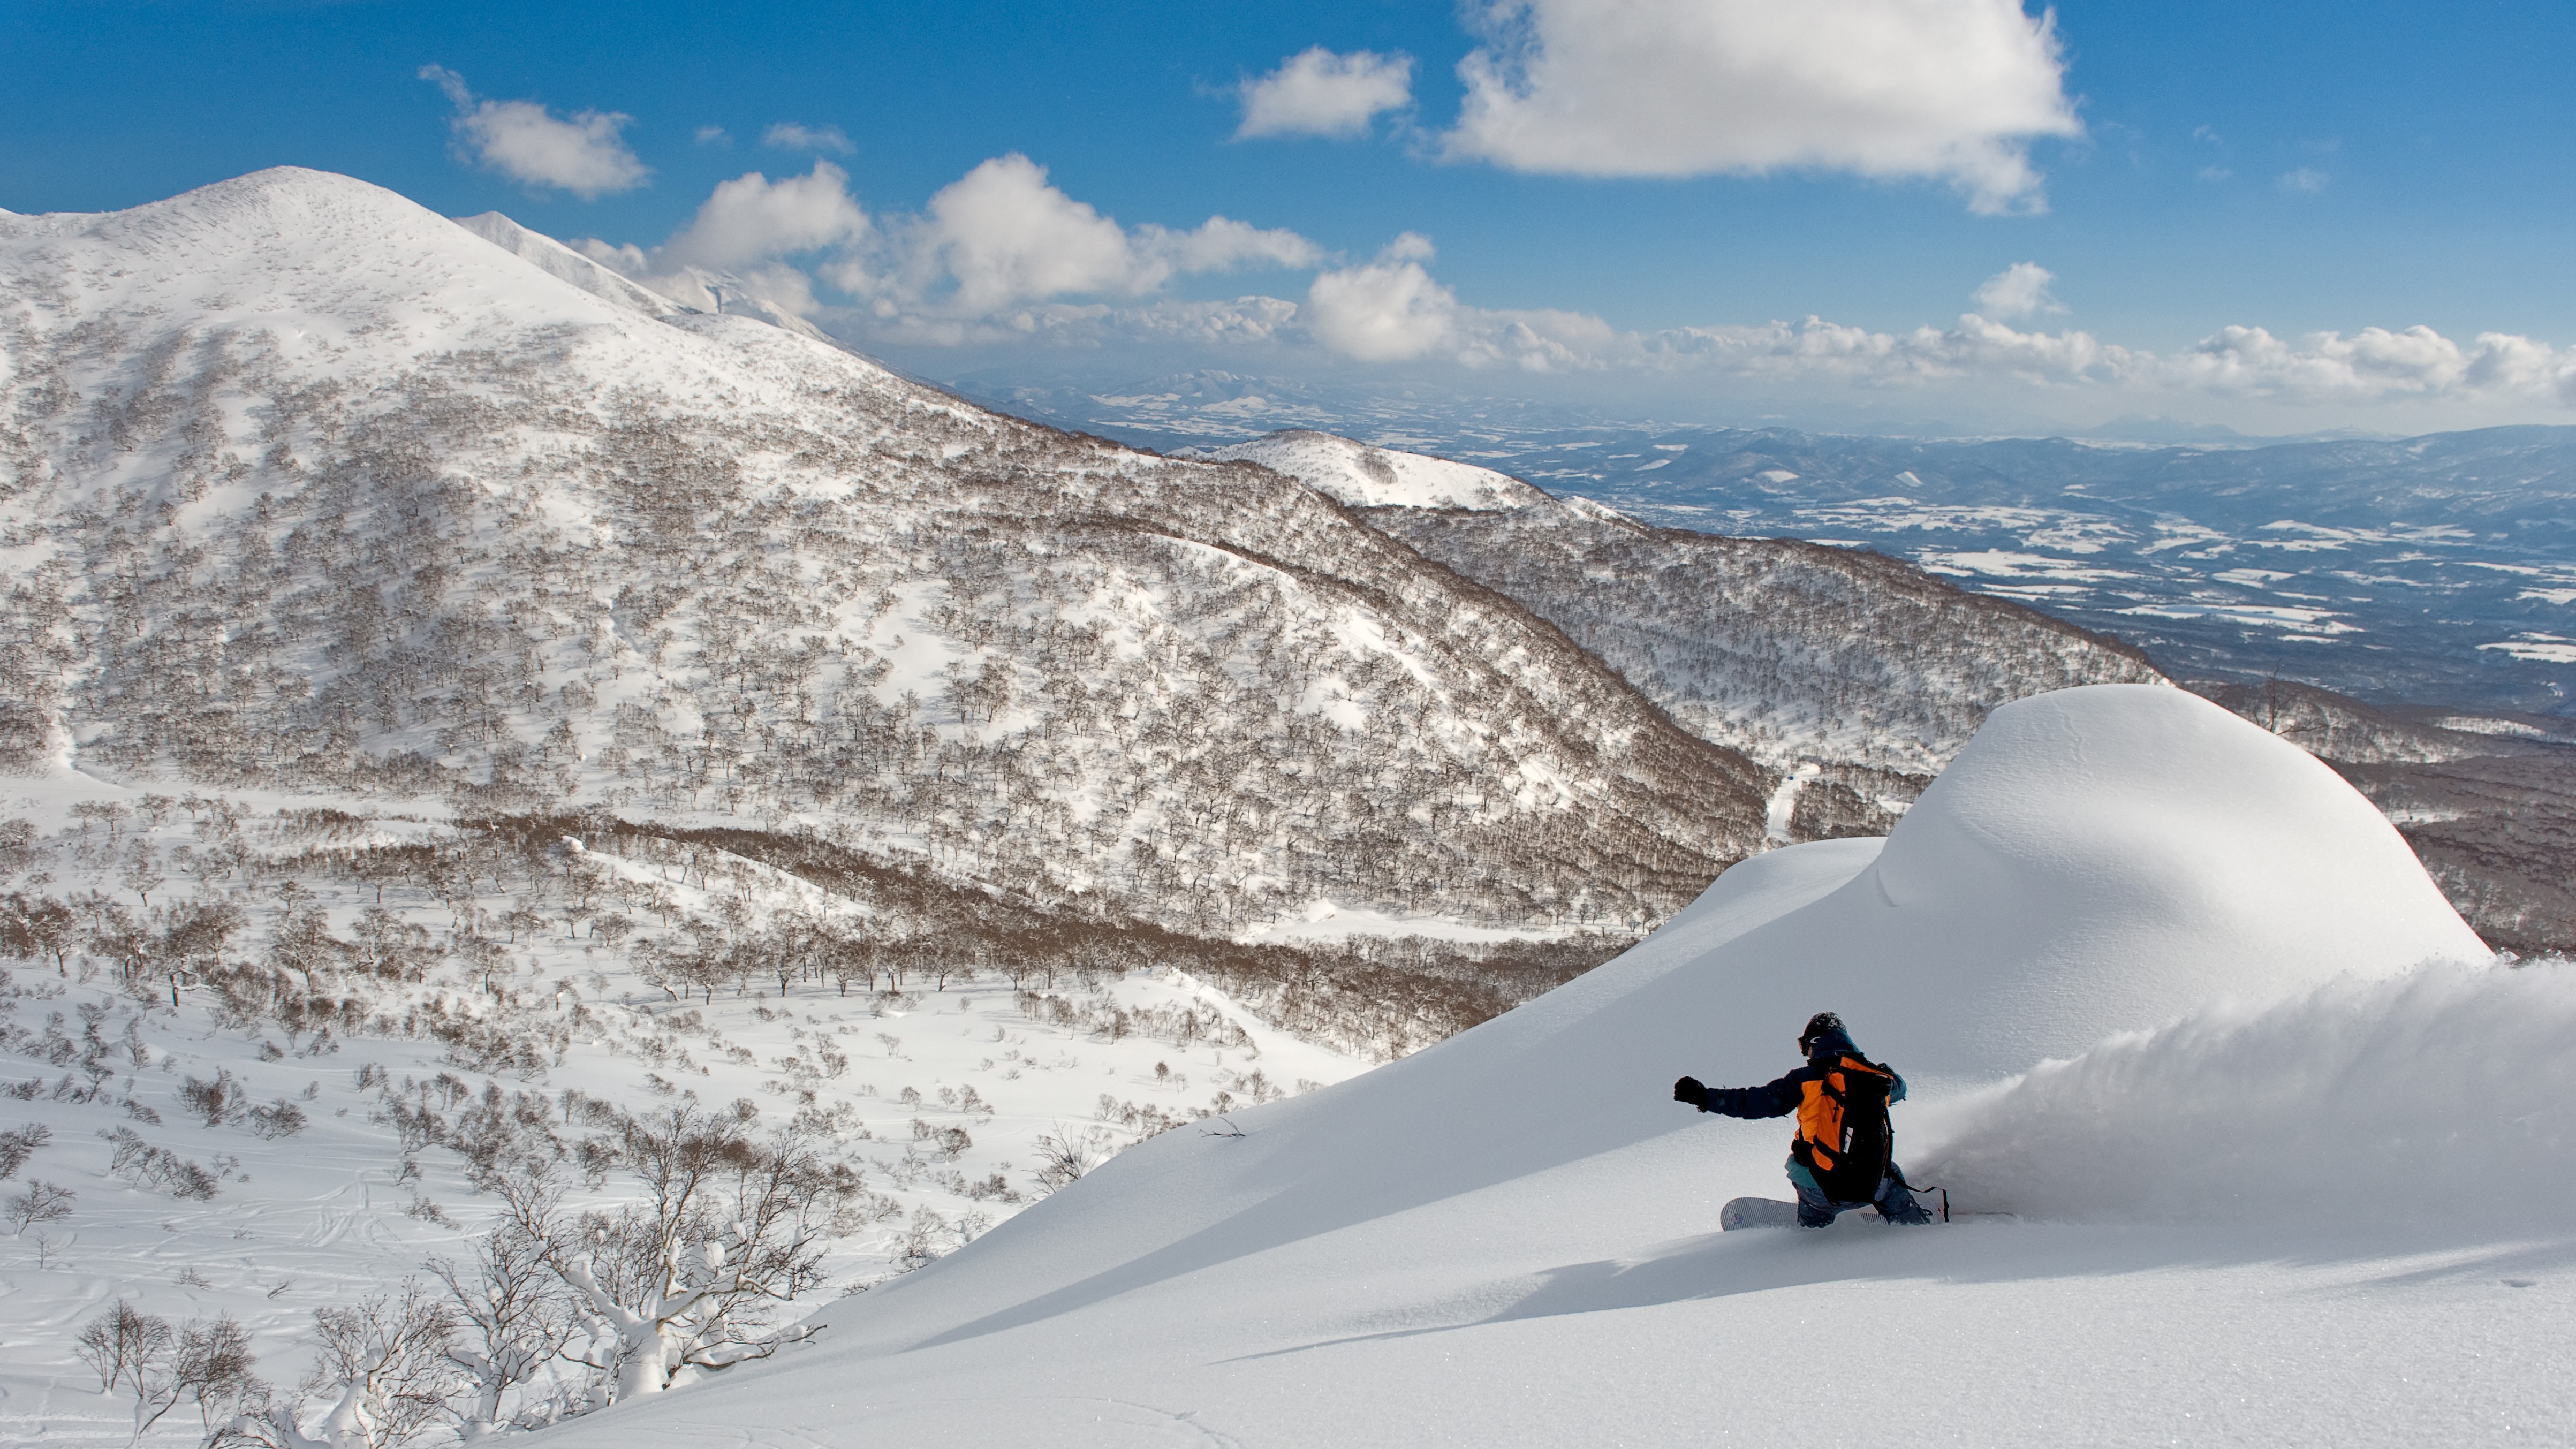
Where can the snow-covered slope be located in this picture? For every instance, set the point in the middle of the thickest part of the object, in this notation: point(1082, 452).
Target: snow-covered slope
point(472, 521)
point(558, 260)
point(1506, 1239)
point(1855, 674)
point(363, 1041)
point(1371, 477)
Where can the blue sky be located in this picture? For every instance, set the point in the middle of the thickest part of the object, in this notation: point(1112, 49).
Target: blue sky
point(1616, 199)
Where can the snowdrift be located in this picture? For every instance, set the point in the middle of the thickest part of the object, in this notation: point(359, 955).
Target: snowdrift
point(2443, 1095)
point(2096, 860)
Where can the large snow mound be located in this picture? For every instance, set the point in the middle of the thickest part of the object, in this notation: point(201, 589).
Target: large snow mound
point(2096, 860)
point(2441, 1095)
point(1507, 1238)
point(1363, 476)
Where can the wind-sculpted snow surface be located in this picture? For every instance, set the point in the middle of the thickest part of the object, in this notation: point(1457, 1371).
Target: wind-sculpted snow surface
point(1507, 1238)
point(2443, 1095)
point(2099, 860)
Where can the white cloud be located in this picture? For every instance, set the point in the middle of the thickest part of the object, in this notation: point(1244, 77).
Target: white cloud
point(1393, 310)
point(714, 136)
point(2376, 363)
point(737, 242)
point(2305, 181)
point(1949, 89)
point(791, 136)
point(1388, 310)
point(2215, 173)
point(1002, 234)
point(753, 219)
point(584, 153)
point(1318, 93)
point(994, 241)
point(2020, 290)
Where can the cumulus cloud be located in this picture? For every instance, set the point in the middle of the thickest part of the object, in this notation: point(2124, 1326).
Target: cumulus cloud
point(754, 219)
point(1392, 309)
point(2305, 181)
point(1003, 234)
point(1388, 310)
point(1946, 89)
point(714, 136)
point(996, 240)
point(584, 153)
point(2020, 290)
point(1319, 93)
point(738, 242)
point(792, 136)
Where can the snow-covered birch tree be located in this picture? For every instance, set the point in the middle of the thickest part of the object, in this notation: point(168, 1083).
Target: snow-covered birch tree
point(681, 1283)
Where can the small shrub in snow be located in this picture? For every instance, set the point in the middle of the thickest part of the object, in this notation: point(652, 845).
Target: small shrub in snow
point(278, 1119)
point(950, 1143)
point(1064, 1157)
point(19, 1144)
point(40, 1203)
point(137, 1354)
point(215, 1102)
point(145, 1165)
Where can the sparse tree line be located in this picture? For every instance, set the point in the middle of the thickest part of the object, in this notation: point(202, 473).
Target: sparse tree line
point(557, 1311)
point(1249, 754)
point(659, 1288)
point(1782, 648)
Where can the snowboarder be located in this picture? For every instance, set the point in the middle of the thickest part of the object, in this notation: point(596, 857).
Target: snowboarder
point(1843, 1155)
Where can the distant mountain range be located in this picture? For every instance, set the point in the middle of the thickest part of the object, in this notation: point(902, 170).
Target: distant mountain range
point(2436, 569)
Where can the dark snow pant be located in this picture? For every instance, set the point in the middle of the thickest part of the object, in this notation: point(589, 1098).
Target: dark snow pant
point(1893, 1202)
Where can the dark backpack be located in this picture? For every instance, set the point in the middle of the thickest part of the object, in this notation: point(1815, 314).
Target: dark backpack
point(1844, 1136)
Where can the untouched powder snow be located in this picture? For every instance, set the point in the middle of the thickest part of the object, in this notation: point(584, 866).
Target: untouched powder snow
point(1508, 1238)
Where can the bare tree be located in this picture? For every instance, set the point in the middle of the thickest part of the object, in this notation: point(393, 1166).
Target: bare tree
point(20, 1143)
point(678, 1286)
point(42, 1202)
point(214, 1367)
point(383, 1371)
point(136, 1353)
point(512, 1316)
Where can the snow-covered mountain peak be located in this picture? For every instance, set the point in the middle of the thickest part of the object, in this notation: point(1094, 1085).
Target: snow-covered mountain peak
point(616, 505)
point(1364, 476)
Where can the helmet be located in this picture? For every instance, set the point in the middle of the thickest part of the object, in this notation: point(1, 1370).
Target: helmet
point(1817, 1025)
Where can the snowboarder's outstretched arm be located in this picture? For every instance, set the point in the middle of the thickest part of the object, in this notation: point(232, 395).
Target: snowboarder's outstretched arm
point(1772, 1099)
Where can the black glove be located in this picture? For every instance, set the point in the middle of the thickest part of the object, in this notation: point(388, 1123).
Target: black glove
point(1689, 1090)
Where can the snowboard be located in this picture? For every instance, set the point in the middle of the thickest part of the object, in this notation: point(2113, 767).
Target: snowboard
point(1771, 1212)
point(1757, 1212)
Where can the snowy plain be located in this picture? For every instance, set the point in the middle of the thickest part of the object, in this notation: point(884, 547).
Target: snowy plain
point(2329, 1118)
